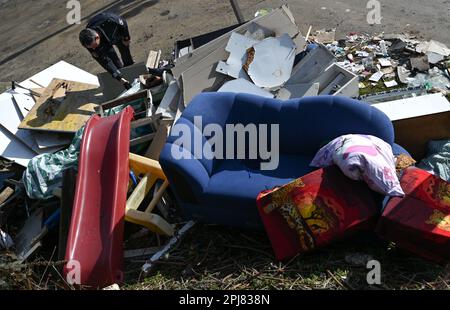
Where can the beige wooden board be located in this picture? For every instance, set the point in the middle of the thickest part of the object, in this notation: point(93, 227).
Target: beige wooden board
point(63, 114)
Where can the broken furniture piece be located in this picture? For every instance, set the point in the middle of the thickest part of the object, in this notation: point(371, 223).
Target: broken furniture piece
point(240, 86)
point(20, 102)
point(237, 46)
point(151, 172)
point(272, 61)
point(140, 102)
point(338, 81)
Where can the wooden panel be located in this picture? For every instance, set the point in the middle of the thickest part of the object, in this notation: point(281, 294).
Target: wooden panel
point(53, 112)
point(414, 133)
point(139, 193)
point(143, 95)
point(153, 222)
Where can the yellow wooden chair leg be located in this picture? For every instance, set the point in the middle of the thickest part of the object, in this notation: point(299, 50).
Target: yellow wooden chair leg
point(157, 197)
point(141, 190)
point(151, 221)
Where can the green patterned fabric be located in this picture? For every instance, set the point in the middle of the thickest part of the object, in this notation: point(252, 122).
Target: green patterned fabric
point(44, 172)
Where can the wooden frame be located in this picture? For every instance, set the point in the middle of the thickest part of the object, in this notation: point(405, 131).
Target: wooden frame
point(144, 94)
point(153, 173)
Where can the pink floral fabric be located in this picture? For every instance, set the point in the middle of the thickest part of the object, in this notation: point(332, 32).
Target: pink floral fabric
point(365, 158)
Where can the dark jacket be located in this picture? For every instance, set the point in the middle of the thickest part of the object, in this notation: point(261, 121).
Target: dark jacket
point(112, 30)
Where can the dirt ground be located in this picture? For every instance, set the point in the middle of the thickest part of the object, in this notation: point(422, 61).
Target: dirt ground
point(35, 34)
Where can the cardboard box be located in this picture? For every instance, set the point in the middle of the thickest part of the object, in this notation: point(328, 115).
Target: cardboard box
point(418, 120)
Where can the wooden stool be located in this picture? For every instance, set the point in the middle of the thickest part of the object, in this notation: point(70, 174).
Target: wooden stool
point(153, 172)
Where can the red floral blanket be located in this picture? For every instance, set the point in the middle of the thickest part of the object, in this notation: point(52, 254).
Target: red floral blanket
point(420, 221)
point(314, 210)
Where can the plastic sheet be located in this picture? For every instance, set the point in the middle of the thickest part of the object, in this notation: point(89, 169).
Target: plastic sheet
point(438, 161)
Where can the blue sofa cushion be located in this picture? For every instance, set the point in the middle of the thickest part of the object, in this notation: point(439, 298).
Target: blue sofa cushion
point(235, 186)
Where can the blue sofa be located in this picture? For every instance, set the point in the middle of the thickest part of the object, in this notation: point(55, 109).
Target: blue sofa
point(224, 191)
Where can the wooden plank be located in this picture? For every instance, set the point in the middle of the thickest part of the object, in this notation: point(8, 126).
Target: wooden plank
point(145, 121)
point(157, 197)
point(67, 115)
point(153, 59)
point(151, 221)
point(141, 191)
point(141, 252)
point(155, 148)
point(5, 194)
point(143, 164)
point(144, 94)
point(142, 139)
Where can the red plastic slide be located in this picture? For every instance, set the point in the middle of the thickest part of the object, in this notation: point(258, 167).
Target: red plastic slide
point(94, 248)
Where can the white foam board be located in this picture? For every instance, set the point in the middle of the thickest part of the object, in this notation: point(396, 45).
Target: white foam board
point(60, 70)
point(414, 106)
point(14, 150)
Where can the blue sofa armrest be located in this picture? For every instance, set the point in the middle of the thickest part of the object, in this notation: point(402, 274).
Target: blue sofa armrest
point(187, 176)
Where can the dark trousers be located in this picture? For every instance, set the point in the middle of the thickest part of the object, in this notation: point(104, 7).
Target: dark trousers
point(127, 59)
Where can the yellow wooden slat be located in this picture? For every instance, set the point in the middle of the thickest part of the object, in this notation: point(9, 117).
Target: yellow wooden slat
point(151, 221)
point(157, 197)
point(141, 190)
point(141, 164)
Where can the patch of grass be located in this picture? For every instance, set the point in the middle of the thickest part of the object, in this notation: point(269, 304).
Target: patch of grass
point(217, 258)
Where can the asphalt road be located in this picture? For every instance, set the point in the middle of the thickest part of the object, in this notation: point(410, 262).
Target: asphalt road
point(35, 34)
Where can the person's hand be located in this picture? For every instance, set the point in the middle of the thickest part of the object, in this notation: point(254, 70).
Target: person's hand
point(125, 83)
point(126, 41)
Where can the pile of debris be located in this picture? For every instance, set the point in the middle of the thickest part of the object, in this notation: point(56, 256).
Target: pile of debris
point(268, 57)
point(392, 61)
point(42, 126)
point(43, 119)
